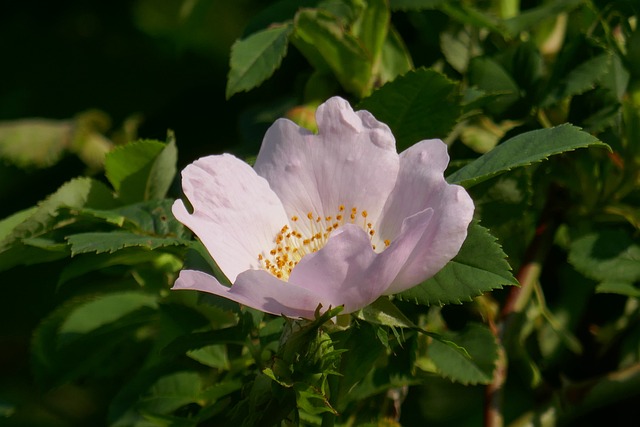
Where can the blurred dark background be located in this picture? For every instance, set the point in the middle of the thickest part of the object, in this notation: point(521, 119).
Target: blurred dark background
point(165, 61)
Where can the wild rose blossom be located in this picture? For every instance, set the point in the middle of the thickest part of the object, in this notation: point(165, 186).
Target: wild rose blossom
point(333, 218)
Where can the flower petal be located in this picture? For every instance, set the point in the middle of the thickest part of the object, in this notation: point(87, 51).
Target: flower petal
point(256, 289)
point(421, 185)
point(341, 271)
point(236, 215)
point(347, 271)
point(352, 161)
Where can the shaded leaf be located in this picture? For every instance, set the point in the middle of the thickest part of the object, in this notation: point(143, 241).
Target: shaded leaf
point(85, 263)
point(533, 16)
point(254, 59)
point(473, 362)
point(415, 4)
point(523, 150)
point(479, 267)
point(104, 309)
point(421, 104)
point(620, 288)
point(171, 392)
point(582, 78)
point(489, 76)
point(608, 255)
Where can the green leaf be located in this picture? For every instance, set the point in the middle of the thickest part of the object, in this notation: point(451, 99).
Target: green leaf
point(609, 255)
point(383, 312)
point(104, 309)
point(312, 400)
point(489, 76)
point(323, 40)
point(254, 59)
point(415, 4)
point(371, 27)
point(356, 364)
point(22, 246)
point(620, 288)
point(421, 104)
point(532, 17)
point(115, 341)
point(151, 217)
point(473, 362)
point(83, 264)
point(113, 241)
point(523, 150)
point(396, 59)
point(479, 267)
point(34, 142)
point(582, 78)
point(221, 389)
point(171, 392)
point(142, 170)
point(8, 224)
point(214, 356)
point(467, 14)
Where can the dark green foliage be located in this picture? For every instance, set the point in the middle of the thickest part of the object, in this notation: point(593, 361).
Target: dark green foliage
point(539, 104)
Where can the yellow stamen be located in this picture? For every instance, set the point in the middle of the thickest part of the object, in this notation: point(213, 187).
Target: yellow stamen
point(291, 244)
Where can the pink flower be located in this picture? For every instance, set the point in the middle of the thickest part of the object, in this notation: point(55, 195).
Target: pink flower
point(334, 218)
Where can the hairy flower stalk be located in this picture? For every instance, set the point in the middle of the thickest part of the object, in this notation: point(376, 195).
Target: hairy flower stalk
point(333, 218)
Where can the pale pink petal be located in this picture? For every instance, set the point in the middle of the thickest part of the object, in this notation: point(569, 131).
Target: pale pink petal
point(347, 271)
point(236, 215)
point(340, 271)
point(352, 161)
point(256, 289)
point(421, 185)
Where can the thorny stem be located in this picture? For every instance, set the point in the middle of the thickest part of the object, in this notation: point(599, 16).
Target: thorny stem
point(527, 276)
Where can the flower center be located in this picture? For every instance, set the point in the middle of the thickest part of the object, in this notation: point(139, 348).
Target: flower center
point(291, 245)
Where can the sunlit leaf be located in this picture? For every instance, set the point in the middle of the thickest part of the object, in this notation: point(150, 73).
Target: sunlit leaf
point(383, 312)
point(371, 27)
point(142, 170)
point(113, 241)
point(34, 142)
point(523, 150)
point(21, 245)
point(326, 44)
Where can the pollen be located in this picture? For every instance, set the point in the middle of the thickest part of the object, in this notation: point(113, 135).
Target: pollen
point(296, 240)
